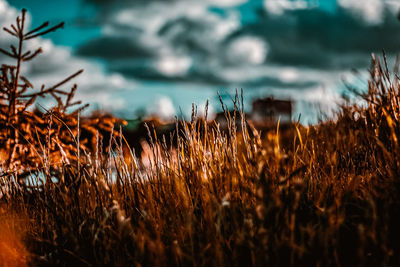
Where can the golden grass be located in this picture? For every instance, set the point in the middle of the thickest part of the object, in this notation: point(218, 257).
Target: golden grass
point(308, 196)
point(324, 195)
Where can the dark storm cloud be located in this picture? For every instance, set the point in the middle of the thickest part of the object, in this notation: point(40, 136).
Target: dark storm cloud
point(278, 83)
point(141, 71)
point(319, 39)
point(115, 48)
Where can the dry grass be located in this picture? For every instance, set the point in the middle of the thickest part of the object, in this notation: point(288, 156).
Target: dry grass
point(327, 197)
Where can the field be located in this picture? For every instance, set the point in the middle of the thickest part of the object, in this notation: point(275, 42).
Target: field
point(321, 195)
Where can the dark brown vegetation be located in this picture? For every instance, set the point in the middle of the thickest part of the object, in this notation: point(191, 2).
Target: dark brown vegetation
point(29, 137)
point(330, 198)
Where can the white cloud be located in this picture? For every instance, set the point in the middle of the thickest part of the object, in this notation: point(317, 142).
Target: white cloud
point(163, 108)
point(248, 50)
point(226, 26)
point(226, 3)
point(289, 75)
point(393, 6)
point(278, 7)
point(7, 13)
point(143, 23)
point(371, 11)
point(174, 66)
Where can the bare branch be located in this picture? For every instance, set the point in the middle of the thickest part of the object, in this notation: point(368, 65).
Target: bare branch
point(45, 24)
point(29, 57)
point(14, 50)
point(15, 29)
point(51, 89)
point(26, 81)
point(61, 25)
point(7, 53)
point(10, 32)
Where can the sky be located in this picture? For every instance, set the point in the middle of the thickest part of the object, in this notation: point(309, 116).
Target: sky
point(160, 56)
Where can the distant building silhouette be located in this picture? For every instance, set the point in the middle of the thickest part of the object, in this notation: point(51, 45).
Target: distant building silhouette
point(265, 113)
point(270, 110)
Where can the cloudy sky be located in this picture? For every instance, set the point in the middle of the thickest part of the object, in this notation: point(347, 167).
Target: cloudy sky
point(161, 56)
